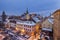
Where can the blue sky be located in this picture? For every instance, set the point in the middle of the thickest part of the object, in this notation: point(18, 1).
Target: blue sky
point(17, 7)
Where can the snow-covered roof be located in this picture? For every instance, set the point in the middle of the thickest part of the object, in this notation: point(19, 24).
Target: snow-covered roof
point(36, 19)
point(50, 20)
point(25, 22)
point(12, 24)
point(46, 29)
point(7, 20)
point(26, 36)
point(52, 16)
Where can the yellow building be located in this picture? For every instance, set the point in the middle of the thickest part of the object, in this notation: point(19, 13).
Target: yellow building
point(47, 24)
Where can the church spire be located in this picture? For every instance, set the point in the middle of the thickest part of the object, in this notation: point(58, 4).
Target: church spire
point(27, 14)
point(27, 11)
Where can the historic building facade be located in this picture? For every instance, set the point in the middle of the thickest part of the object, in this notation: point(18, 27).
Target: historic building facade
point(56, 26)
point(47, 23)
point(25, 26)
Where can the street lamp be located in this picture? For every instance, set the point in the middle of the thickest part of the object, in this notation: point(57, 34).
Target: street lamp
point(22, 31)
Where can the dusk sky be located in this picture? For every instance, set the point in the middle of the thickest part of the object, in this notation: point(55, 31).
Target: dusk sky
point(17, 7)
